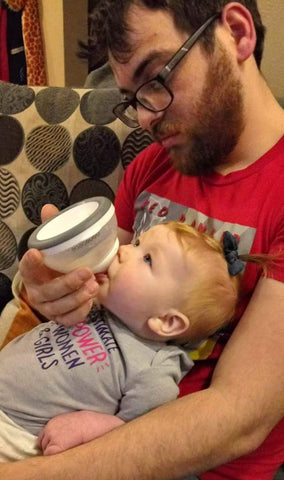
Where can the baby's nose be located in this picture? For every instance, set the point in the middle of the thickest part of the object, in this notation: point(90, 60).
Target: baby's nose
point(123, 253)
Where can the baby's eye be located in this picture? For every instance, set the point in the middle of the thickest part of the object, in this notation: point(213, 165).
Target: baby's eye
point(148, 259)
point(136, 242)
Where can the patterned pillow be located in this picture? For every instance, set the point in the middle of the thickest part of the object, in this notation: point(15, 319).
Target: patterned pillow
point(57, 145)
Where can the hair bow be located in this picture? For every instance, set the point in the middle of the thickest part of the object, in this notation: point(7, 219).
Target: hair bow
point(230, 249)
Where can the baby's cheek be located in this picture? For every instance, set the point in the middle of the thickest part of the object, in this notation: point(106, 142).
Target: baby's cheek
point(128, 281)
point(126, 287)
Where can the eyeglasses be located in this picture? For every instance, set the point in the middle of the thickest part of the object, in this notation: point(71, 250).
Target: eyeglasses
point(154, 95)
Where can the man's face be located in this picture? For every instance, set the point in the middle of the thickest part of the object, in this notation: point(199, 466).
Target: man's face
point(205, 120)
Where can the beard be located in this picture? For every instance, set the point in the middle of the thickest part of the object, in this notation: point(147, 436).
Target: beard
point(219, 122)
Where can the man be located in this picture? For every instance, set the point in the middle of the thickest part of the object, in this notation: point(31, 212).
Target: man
point(214, 117)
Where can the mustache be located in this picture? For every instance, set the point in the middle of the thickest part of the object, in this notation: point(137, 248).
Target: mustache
point(166, 129)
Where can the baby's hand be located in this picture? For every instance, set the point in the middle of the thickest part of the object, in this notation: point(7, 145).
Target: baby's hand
point(72, 429)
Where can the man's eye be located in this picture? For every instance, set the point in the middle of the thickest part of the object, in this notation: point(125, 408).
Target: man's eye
point(148, 259)
point(136, 242)
point(130, 100)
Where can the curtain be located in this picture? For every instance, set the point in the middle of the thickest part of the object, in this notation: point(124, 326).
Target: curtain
point(32, 39)
point(4, 62)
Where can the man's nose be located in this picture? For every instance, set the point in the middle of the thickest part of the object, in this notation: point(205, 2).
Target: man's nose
point(147, 119)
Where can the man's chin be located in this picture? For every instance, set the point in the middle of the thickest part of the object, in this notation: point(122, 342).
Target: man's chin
point(181, 161)
point(188, 164)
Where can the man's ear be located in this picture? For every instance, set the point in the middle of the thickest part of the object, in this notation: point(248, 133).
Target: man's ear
point(238, 20)
point(171, 325)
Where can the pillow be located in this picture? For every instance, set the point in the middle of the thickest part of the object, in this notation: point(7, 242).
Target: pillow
point(57, 145)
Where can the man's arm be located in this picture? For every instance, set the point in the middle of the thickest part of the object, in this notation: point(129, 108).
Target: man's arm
point(199, 431)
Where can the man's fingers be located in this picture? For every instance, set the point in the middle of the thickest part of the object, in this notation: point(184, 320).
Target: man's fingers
point(32, 268)
point(65, 298)
point(35, 272)
point(68, 309)
point(48, 211)
point(75, 316)
point(71, 289)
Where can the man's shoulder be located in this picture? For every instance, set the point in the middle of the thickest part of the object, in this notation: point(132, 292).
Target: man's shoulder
point(152, 155)
point(149, 165)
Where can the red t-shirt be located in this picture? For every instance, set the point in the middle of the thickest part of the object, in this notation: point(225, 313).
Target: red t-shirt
point(248, 203)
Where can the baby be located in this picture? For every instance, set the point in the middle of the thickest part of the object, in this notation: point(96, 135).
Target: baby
point(161, 295)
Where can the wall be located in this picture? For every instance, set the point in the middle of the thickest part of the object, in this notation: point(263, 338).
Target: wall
point(63, 23)
point(75, 28)
point(273, 63)
point(51, 12)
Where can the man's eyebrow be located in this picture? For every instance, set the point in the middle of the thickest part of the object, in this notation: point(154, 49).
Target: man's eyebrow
point(153, 55)
point(138, 72)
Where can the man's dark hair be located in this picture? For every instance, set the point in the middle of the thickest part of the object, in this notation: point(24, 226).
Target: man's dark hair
point(108, 27)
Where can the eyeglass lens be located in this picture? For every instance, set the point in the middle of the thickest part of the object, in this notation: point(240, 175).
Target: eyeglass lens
point(154, 96)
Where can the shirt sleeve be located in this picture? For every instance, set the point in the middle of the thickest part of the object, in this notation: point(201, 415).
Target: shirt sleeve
point(276, 266)
point(154, 386)
point(148, 391)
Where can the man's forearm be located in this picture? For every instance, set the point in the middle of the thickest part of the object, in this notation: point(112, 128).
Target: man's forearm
point(167, 443)
point(196, 432)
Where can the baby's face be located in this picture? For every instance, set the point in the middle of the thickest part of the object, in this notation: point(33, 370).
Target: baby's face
point(148, 278)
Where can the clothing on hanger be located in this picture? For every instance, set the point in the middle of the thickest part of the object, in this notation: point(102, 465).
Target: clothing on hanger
point(4, 62)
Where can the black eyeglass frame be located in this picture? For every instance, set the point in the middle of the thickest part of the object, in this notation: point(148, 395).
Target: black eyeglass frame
point(162, 76)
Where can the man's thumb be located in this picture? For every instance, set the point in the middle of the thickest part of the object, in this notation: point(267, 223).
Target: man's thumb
point(48, 211)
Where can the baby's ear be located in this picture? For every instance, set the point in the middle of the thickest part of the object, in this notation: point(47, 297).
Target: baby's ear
point(171, 325)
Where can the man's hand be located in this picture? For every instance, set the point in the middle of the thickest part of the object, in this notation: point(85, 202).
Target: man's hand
point(67, 298)
point(72, 429)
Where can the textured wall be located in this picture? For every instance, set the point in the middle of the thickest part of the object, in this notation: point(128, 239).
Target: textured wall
point(75, 27)
point(63, 23)
point(51, 12)
point(273, 61)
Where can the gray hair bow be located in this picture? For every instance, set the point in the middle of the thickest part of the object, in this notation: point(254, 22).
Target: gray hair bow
point(230, 249)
